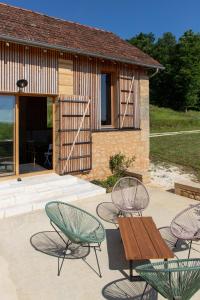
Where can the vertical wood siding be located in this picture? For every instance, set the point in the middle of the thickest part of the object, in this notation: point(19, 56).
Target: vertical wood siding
point(40, 68)
point(33, 64)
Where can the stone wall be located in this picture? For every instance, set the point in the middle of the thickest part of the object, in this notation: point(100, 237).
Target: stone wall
point(188, 189)
point(131, 143)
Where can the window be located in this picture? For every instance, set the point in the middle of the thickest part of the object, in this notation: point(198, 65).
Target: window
point(106, 99)
point(7, 126)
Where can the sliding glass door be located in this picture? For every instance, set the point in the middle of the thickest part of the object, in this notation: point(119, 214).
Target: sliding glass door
point(7, 135)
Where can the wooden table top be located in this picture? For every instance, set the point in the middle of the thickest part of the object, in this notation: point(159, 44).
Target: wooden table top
point(142, 240)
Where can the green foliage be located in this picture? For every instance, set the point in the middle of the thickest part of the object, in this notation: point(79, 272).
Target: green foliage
point(144, 41)
point(178, 86)
point(6, 131)
point(108, 183)
point(119, 163)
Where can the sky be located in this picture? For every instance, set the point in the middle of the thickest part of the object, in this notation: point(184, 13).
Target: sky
point(126, 18)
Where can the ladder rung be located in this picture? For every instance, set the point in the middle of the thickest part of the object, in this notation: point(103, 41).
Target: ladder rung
point(129, 103)
point(73, 130)
point(73, 116)
point(126, 77)
point(78, 143)
point(126, 91)
point(126, 115)
point(75, 157)
point(78, 171)
point(74, 101)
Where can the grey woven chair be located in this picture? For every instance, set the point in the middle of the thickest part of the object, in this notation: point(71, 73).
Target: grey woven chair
point(78, 226)
point(186, 225)
point(175, 279)
point(130, 196)
point(108, 212)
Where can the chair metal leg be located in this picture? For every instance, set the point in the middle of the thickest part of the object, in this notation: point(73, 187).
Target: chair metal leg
point(146, 285)
point(95, 251)
point(60, 265)
point(190, 246)
point(131, 270)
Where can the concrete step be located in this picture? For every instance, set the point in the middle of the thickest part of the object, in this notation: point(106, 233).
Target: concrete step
point(34, 192)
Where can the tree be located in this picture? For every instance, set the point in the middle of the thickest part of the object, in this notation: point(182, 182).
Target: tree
point(187, 71)
point(144, 41)
point(162, 86)
point(178, 86)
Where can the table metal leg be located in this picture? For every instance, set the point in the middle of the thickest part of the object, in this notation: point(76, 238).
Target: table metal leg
point(131, 270)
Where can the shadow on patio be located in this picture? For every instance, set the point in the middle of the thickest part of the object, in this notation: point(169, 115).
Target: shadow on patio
point(124, 289)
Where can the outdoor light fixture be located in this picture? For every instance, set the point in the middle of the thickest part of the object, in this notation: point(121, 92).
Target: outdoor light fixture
point(22, 83)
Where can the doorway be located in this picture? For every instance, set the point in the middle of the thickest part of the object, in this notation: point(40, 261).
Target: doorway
point(35, 134)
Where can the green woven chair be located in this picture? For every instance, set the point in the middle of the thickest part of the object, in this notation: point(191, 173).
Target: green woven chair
point(175, 279)
point(78, 226)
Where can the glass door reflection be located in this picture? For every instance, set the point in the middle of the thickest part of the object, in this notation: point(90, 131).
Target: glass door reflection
point(7, 129)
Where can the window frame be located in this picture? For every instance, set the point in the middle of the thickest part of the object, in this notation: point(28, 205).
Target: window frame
point(113, 100)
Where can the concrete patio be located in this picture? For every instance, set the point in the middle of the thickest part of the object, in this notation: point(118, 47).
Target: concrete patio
point(27, 274)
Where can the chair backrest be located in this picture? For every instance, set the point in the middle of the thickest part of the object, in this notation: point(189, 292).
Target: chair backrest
point(175, 279)
point(186, 225)
point(78, 225)
point(129, 194)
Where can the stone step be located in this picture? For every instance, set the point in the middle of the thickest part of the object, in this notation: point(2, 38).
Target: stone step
point(23, 197)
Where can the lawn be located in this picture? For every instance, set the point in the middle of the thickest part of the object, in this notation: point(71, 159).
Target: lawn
point(165, 119)
point(183, 150)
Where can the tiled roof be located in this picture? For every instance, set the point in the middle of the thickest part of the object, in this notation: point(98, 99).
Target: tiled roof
point(25, 26)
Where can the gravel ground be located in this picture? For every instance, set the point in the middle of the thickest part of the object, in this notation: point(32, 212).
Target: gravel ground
point(165, 175)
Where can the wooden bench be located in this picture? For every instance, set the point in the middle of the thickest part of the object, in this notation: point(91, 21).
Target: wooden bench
point(142, 240)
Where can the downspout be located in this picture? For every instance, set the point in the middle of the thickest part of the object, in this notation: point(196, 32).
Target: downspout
point(156, 72)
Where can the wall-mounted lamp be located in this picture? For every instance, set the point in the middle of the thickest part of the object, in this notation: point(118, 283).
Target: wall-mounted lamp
point(22, 83)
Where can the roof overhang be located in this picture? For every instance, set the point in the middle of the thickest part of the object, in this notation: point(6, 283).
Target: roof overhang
point(75, 51)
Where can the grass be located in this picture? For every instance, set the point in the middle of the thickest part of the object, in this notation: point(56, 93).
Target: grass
point(165, 120)
point(183, 150)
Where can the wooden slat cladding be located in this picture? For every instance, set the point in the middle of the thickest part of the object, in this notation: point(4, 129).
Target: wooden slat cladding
point(71, 111)
point(126, 110)
point(65, 77)
point(50, 72)
point(87, 82)
point(37, 66)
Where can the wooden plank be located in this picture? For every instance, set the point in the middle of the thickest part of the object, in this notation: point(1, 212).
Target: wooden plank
point(65, 80)
point(142, 240)
point(132, 251)
point(145, 245)
point(159, 244)
point(66, 89)
point(65, 77)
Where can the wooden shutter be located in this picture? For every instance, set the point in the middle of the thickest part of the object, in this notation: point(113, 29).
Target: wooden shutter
point(125, 84)
point(72, 109)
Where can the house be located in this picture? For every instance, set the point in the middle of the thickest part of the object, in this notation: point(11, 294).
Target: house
point(70, 96)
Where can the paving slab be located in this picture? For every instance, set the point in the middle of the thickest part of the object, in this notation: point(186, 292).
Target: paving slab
point(27, 274)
